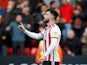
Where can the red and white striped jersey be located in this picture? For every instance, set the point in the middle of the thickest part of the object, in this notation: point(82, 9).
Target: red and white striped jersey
point(51, 37)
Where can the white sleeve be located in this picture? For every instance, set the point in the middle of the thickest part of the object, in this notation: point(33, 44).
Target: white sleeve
point(51, 47)
point(55, 39)
point(33, 35)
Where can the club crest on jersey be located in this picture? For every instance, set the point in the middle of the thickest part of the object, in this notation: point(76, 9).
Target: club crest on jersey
point(55, 34)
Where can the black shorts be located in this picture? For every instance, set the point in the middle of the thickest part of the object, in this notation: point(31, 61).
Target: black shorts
point(50, 63)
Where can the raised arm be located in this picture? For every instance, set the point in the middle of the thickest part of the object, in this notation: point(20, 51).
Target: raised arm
point(33, 35)
point(29, 33)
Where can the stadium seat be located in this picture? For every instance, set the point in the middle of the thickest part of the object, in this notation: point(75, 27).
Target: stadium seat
point(34, 43)
point(33, 51)
point(27, 51)
point(18, 52)
point(9, 51)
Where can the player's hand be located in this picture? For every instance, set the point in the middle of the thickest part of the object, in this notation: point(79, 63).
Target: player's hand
point(42, 59)
point(21, 27)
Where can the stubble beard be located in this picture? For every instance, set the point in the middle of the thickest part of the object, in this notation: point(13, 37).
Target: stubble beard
point(46, 21)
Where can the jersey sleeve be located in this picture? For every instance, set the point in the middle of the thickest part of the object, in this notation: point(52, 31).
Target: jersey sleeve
point(42, 33)
point(33, 35)
point(55, 39)
point(54, 33)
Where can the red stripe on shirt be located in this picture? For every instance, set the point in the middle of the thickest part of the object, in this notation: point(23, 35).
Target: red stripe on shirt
point(45, 45)
point(49, 42)
point(53, 55)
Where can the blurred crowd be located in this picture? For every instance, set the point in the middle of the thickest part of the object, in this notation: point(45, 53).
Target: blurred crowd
point(72, 21)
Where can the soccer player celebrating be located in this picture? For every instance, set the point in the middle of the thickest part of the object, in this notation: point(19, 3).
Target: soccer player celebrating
point(51, 36)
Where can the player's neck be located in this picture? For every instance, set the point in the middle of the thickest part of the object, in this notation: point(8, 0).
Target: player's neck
point(51, 22)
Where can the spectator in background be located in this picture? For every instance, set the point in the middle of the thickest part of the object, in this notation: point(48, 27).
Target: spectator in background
point(73, 2)
point(18, 37)
point(78, 10)
point(11, 2)
point(8, 16)
point(66, 13)
point(38, 7)
point(60, 23)
point(53, 5)
point(25, 4)
point(84, 4)
point(39, 16)
point(85, 36)
point(33, 4)
point(28, 17)
point(2, 40)
point(2, 37)
point(6, 19)
point(79, 1)
point(4, 3)
point(84, 42)
point(47, 2)
point(72, 46)
point(20, 4)
point(78, 26)
point(1, 13)
point(29, 20)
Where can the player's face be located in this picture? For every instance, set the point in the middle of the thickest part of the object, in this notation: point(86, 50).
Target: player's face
point(47, 16)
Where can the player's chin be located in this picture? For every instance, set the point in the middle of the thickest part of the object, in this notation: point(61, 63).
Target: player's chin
point(46, 20)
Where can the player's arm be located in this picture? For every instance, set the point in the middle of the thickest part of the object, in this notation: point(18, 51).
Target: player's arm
point(29, 33)
point(54, 42)
point(33, 35)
